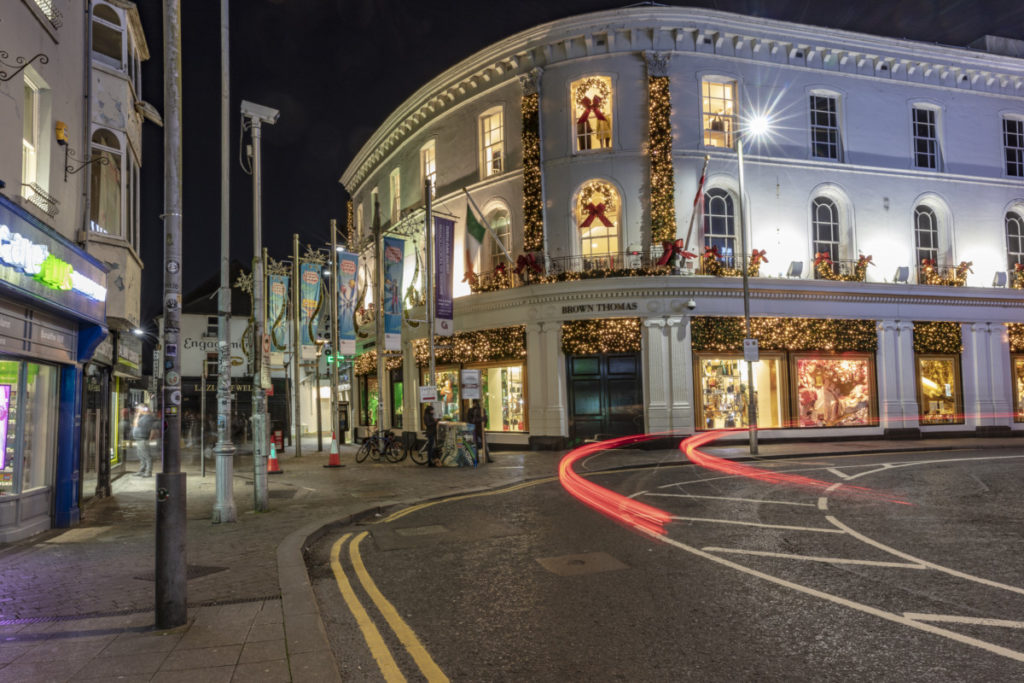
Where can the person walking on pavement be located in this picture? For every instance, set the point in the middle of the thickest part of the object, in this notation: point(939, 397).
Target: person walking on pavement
point(430, 428)
point(476, 416)
point(145, 429)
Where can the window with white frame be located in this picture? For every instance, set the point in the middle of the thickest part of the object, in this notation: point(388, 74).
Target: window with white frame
point(926, 137)
point(825, 227)
point(592, 112)
point(1013, 145)
point(1014, 240)
point(501, 226)
point(926, 234)
point(720, 223)
point(825, 139)
point(212, 326)
point(106, 190)
point(428, 166)
point(718, 106)
point(396, 196)
point(597, 217)
point(108, 35)
point(492, 142)
point(30, 137)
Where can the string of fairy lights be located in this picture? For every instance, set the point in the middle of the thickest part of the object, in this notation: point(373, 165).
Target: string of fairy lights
point(610, 335)
point(784, 334)
point(479, 346)
point(533, 217)
point(366, 362)
point(350, 222)
point(937, 337)
point(663, 209)
point(1015, 333)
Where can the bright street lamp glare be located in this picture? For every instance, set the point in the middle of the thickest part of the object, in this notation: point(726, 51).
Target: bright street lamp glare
point(759, 125)
point(138, 331)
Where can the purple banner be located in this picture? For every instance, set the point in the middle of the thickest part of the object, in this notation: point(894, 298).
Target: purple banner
point(444, 244)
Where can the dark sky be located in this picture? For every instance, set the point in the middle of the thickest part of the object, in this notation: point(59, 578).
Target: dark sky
point(337, 68)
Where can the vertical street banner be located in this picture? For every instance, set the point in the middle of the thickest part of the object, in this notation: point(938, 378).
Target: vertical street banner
point(348, 278)
point(277, 307)
point(309, 298)
point(444, 244)
point(394, 264)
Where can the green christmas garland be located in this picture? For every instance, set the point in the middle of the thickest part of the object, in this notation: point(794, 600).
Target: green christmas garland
point(785, 334)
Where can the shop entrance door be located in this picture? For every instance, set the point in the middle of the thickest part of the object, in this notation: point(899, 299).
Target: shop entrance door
point(605, 395)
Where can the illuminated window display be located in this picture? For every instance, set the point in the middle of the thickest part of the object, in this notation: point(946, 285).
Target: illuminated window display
point(447, 392)
point(938, 383)
point(1018, 388)
point(397, 398)
point(504, 398)
point(28, 392)
point(834, 391)
point(723, 391)
point(371, 397)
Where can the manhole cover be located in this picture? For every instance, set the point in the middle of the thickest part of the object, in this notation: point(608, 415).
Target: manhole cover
point(586, 563)
point(428, 530)
point(192, 571)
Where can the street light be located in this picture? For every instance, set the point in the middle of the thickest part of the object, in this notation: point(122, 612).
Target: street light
point(757, 126)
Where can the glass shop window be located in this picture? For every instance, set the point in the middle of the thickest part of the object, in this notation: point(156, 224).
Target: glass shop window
point(723, 399)
point(504, 398)
point(834, 390)
point(938, 383)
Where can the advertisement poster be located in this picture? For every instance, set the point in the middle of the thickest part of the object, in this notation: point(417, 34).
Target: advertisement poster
point(309, 296)
point(5, 405)
point(277, 306)
point(348, 278)
point(394, 264)
point(444, 239)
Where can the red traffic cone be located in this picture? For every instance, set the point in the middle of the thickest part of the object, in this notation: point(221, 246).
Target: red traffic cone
point(272, 466)
point(335, 459)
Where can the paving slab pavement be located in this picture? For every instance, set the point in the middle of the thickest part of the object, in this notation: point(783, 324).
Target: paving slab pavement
point(78, 604)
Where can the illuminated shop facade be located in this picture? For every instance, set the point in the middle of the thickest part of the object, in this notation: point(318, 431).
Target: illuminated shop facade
point(889, 233)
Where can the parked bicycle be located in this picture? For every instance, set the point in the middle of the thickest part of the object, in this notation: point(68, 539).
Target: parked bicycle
point(381, 445)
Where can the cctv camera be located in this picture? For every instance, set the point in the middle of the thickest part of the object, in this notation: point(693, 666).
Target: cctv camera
point(691, 304)
point(258, 111)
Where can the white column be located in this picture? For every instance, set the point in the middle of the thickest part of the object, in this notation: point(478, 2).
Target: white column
point(897, 394)
point(681, 350)
point(545, 380)
point(668, 377)
point(1000, 374)
point(535, 381)
point(411, 388)
point(975, 373)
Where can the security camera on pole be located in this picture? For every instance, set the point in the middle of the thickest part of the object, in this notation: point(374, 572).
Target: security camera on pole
point(257, 115)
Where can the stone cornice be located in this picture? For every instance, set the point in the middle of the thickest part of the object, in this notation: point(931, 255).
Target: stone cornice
point(680, 30)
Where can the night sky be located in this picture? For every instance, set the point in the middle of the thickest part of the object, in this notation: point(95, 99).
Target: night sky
point(337, 68)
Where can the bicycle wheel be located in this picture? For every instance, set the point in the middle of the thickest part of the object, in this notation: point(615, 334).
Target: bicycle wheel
point(393, 451)
point(419, 455)
point(365, 449)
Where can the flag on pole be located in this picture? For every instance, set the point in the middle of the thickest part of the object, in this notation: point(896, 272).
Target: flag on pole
point(474, 241)
point(697, 214)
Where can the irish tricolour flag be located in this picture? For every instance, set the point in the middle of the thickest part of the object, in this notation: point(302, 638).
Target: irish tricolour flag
point(474, 241)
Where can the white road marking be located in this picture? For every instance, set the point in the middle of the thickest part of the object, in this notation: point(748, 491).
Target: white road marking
point(955, 619)
point(838, 473)
point(912, 463)
point(742, 500)
point(867, 609)
point(823, 503)
point(931, 565)
point(811, 558)
point(757, 524)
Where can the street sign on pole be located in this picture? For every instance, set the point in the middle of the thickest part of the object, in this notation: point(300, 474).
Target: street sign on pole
point(751, 353)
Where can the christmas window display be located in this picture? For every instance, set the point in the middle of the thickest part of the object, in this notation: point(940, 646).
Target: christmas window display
point(369, 401)
point(723, 398)
point(834, 391)
point(938, 383)
point(504, 398)
point(1018, 388)
point(592, 112)
point(447, 382)
point(597, 215)
point(397, 398)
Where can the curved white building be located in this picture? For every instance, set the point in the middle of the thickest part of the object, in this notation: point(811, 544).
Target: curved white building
point(910, 153)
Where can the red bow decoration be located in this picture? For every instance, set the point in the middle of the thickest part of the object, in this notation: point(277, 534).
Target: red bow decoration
point(528, 260)
point(671, 249)
point(712, 252)
point(470, 277)
point(1017, 267)
point(500, 269)
point(758, 256)
point(866, 260)
point(928, 263)
point(595, 212)
point(822, 256)
point(591, 106)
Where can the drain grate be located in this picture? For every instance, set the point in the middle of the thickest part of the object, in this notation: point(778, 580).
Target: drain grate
point(586, 563)
point(192, 571)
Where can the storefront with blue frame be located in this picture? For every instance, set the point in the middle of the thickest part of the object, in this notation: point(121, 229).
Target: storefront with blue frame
point(52, 317)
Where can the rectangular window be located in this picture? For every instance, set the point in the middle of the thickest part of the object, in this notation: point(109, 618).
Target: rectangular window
point(491, 143)
point(374, 207)
point(359, 222)
point(30, 134)
point(211, 326)
point(369, 399)
point(926, 141)
point(724, 399)
point(504, 398)
point(719, 112)
point(1018, 388)
point(1013, 144)
point(28, 426)
point(833, 391)
point(428, 166)
point(938, 389)
point(397, 398)
point(210, 365)
point(447, 383)
point(825, 127)
point(592, 112)
point(396, 196)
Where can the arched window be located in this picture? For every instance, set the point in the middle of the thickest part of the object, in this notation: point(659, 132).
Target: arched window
point(926, 233)
point(592, 112)
point(106, 187)
point(597, 216)
point(1014, 240)
point(825, 227)
point(501, 225)
point(107, 35)
point(720, 223)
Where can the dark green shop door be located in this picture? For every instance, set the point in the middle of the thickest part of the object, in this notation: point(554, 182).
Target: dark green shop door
point(605, 395)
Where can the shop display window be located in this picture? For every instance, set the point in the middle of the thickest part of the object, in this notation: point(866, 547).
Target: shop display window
point(370, 401)
point(28, 391)
point(938, 382)
point(504, 398)
point(397, 398)
point(8, 424)
point(723, 396)
point(834, 391)
point(1018, 388)
point(448, 393)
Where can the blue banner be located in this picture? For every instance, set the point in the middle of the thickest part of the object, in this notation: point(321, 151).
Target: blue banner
point(444, 246)
point(309, 296)
point(277, 298)
point(348, 294)
point(394, 265)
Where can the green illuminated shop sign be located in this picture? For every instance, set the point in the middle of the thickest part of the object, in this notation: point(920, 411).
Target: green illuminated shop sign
point(36, 261)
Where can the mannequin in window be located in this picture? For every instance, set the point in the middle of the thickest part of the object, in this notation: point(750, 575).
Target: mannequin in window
point(717, 123)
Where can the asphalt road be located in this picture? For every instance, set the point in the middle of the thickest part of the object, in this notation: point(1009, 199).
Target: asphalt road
point(914, 575)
